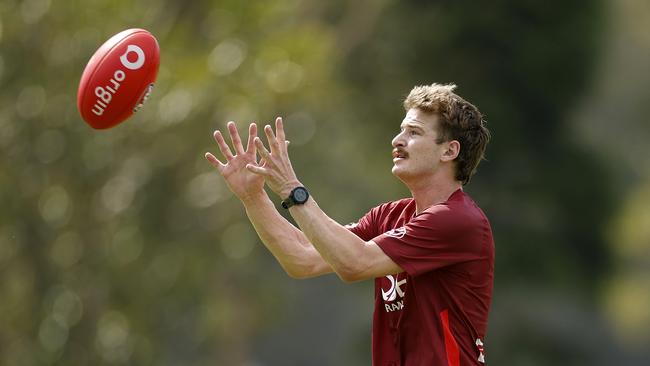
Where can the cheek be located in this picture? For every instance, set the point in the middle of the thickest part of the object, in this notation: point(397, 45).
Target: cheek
point(421, 148)
point(426, 155)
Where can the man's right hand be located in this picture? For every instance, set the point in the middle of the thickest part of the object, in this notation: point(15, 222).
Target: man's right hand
point(243, 183)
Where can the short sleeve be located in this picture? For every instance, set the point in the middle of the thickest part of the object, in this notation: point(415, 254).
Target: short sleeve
point(436, 238)
point(366, 227)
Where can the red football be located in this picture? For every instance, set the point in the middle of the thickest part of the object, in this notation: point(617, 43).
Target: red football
point(118, 78)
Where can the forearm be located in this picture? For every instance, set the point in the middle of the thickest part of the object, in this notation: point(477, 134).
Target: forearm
point(287, 243)
point(342, 249)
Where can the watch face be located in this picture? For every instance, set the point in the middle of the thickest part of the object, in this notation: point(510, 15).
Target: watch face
point(300, 195)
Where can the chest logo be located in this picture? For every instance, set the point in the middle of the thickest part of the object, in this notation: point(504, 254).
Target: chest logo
point(397, 233)
point(395, 289)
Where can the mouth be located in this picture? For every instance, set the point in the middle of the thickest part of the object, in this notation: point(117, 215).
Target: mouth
point(399, 155)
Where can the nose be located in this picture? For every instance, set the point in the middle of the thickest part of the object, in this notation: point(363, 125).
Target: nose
point(398, 140)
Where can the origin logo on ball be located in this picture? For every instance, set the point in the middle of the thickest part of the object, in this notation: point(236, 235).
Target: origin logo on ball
point(119, 78)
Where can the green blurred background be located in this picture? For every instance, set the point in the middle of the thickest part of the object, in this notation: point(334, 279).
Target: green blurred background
point(124, 247)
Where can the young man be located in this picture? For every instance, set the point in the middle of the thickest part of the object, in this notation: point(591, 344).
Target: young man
point(431, 256)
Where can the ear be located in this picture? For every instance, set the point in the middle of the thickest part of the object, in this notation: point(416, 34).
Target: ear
point(452, 151)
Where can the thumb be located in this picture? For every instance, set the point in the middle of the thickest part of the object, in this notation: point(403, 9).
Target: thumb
point(215, 162)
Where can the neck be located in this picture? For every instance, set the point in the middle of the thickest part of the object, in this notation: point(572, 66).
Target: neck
point(430, 192)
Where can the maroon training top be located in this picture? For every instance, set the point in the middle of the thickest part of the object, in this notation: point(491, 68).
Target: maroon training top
point(435, 313)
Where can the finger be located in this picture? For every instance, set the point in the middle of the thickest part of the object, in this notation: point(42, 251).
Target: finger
point(263, 152)
point(234, 136)
point(270, 137)
point(279, 129)
point(252, 134)
point(223, 146)
point(258, 170)
point(215, 162)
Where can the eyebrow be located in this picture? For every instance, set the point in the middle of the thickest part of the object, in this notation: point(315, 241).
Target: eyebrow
point(411, 125)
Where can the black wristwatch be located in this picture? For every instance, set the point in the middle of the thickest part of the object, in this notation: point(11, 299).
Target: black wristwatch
point(298, 196)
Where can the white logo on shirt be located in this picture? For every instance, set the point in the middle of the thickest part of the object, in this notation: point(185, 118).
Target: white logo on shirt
point(395, 289)
point(481, 350)
point(351, 225)
point(395, 292)
point(397, 233)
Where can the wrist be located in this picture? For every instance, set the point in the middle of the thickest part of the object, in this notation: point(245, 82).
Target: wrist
point(287, 188)
point(298, 196)
point(254, 198)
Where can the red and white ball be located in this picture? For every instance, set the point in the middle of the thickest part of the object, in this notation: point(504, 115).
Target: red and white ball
point(118, 78)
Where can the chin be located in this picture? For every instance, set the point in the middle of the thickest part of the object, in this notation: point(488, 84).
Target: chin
point(407, 175)
point(399, 173)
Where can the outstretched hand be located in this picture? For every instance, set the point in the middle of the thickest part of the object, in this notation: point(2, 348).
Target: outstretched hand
point(241, 181)
point(277, 169)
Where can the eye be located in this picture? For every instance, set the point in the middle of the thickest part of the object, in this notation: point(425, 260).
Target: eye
point(409, 131)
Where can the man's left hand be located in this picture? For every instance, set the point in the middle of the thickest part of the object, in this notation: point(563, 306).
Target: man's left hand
point(277, 170)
